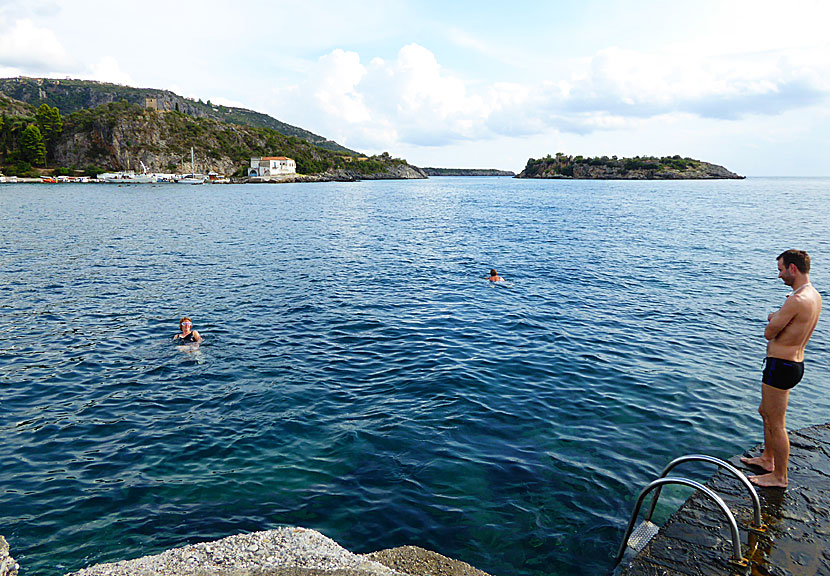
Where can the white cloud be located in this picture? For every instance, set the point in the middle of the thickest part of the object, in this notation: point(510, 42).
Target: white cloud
point(634, 84)
point(409, 99)
point(221, 101)
point(339, 74)
point(107, 69)
point(24, 45)
point(414, 100)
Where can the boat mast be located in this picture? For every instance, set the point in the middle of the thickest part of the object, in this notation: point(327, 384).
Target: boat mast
point(192, 162)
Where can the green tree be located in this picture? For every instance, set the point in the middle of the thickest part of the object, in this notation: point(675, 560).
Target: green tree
point(43, 117)
point(49, 121)
point(32, 146)
point(57, 123)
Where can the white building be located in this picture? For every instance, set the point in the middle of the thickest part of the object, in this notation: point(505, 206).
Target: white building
point(271, 166)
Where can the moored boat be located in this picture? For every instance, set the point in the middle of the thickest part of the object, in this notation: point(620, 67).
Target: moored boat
point(191, 178)
point(129, 177)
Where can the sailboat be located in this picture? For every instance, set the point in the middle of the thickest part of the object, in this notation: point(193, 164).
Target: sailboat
point(191, 178)
point(144, 178)
point(128, 176)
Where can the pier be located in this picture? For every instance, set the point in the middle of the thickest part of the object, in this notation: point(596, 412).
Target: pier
point(696, 539)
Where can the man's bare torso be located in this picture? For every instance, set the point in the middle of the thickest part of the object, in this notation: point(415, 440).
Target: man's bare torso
point(791, 326)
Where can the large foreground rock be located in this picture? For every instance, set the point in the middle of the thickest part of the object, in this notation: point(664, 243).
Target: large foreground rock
point(8, 567)
point(283, 552)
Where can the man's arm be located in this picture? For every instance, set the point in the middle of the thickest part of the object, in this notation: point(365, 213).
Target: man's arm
point(781, 319)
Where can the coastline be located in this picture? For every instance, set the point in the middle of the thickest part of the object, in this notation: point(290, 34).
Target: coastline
point(288, 179)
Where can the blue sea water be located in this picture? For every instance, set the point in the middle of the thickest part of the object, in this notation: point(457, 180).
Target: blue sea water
point(359, 375)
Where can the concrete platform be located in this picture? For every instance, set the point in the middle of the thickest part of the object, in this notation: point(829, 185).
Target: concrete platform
point(696, 539)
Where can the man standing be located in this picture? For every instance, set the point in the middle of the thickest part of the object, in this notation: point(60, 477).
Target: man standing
point(787, 333)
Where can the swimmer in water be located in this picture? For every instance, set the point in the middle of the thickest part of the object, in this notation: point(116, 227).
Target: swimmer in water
point(188, 336)
point(494, 276)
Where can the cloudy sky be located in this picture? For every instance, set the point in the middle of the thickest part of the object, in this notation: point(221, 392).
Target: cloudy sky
point(479, 84)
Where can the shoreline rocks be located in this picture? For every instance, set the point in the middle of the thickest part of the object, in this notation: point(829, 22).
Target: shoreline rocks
point(282, 552)
point(8, 567)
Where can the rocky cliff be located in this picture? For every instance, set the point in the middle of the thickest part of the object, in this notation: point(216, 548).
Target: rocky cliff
point(637, 168)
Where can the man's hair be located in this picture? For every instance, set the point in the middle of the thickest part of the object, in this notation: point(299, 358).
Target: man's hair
point(798, 257)
point(493, 272)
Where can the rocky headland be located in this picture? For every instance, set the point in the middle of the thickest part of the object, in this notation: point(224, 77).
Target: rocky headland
point(392, 172)
point(637, 168)
point(76, 127)
point(466, 172)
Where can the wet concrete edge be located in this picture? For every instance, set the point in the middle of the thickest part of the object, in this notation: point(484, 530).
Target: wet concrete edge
point(696, 539)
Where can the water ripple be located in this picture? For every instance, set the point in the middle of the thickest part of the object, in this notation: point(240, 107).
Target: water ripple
point(359, 376)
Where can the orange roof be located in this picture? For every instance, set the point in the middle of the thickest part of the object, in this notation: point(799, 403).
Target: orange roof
point(275, 158)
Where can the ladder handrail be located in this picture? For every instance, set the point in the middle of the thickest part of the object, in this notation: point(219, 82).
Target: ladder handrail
point(737, 556)
point(756, 502)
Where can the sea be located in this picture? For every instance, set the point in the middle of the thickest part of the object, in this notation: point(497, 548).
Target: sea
point(360, 376)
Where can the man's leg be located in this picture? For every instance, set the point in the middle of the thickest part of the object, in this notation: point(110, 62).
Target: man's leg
point(776, 442)
point(765, 461)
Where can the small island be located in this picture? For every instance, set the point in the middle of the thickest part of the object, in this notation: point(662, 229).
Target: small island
point(613, 168)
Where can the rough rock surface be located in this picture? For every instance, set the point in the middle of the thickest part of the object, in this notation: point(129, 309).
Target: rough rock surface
point(283, 552)
point(419, 562)
point(393, 172)
point(8, 567)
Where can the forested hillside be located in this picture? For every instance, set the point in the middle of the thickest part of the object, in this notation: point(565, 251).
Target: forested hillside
point(121, 136)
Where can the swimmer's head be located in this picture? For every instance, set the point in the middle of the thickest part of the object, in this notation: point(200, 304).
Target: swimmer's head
point(184, 321)
point(493, 272)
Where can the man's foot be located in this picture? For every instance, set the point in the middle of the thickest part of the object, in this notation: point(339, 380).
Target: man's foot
point(759, 462)
point(768, 481)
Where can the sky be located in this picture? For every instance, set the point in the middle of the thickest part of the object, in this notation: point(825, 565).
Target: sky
point(744, 84)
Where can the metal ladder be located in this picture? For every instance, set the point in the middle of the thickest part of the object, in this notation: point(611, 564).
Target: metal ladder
point(647, 530)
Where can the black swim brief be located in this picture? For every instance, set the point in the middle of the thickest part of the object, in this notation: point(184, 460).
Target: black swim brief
point(782, 374)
